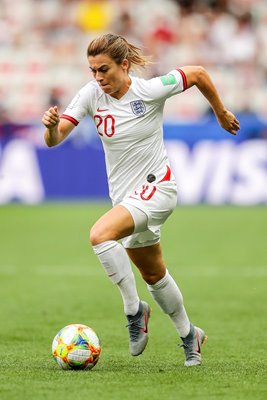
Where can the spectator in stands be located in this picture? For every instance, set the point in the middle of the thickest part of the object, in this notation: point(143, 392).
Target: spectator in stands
point(194, 31)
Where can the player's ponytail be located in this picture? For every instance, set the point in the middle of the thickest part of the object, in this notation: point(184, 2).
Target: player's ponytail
point(117, 48)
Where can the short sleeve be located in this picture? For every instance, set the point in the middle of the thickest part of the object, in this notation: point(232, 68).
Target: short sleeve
point(165, 86)
point(79, 106)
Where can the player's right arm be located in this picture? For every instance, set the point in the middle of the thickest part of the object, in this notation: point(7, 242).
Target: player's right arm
point(56, 129)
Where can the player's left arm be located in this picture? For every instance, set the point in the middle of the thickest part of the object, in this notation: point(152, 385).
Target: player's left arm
point(198, 76)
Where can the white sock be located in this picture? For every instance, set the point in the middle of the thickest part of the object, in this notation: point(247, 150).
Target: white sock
point(115, 261)
point(170, 299)
point(129, 294)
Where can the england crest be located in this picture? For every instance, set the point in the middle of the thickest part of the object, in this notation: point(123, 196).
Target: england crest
point(138, 107)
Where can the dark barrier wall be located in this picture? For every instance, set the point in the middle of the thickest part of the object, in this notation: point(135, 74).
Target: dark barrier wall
point(210, 165)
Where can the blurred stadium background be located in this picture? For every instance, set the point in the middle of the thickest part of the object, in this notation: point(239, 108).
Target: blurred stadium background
point(43, 62)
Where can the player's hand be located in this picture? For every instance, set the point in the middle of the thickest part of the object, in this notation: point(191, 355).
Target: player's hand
point(229, 122)
point(51, 118)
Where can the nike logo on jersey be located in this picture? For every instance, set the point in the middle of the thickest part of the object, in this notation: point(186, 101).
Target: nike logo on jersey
point(101, 109)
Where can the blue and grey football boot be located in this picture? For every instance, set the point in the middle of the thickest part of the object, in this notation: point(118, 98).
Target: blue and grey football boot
point(138, 329)
point(192, 346)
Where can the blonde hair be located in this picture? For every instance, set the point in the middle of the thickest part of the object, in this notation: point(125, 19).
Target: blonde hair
point(118, 49)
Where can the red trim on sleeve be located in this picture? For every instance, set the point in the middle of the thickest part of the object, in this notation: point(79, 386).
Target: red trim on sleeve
point(71, 119)
point(183, 77)
point(167, 176)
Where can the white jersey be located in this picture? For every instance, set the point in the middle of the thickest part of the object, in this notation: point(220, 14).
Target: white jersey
point(130, 128)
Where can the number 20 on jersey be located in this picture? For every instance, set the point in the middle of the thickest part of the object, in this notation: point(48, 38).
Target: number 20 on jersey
point(105, 125)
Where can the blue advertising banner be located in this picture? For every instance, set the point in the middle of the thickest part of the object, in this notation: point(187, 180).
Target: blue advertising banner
point(210, 165)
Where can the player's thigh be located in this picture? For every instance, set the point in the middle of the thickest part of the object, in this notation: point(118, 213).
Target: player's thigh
point(113, 225)
point(149, 261)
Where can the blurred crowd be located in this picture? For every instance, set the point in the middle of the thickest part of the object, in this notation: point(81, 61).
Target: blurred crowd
point(43, 49)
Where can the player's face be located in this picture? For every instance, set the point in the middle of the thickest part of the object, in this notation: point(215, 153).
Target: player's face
point(113, 78)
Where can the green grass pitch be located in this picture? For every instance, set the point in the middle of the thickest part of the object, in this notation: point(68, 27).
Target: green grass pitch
point(49, 277)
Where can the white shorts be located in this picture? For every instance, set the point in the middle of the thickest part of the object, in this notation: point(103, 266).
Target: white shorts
point(150, 206)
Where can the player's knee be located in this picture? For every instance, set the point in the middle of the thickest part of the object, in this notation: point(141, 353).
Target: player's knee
point(96, 236)
point(152, 278)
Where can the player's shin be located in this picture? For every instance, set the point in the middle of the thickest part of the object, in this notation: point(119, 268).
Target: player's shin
point(170, 299)
point(116, 263)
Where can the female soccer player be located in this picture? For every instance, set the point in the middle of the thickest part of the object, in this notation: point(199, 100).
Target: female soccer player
point(128, 113)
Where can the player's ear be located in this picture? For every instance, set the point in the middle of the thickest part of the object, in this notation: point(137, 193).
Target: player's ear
point(125, 64)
